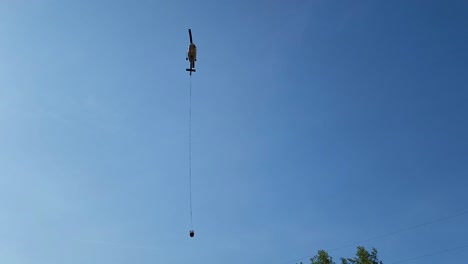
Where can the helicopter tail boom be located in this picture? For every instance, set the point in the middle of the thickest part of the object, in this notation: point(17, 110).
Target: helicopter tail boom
point(190, 35)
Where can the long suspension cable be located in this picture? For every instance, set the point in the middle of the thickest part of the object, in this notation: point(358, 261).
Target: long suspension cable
point(190, 151)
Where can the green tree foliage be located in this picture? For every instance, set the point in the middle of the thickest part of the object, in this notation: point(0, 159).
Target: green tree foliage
point(363, 257)
point(322, 257)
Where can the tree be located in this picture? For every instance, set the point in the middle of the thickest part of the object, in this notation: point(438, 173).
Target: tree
point(363, 257)
point(322, 257)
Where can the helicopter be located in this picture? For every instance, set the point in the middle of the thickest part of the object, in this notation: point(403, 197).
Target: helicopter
point(191, 54)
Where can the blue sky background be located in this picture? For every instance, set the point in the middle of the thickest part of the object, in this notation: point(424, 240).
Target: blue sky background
point(316, 124)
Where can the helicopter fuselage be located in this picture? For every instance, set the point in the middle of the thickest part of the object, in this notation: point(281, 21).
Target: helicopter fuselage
point(192, 53)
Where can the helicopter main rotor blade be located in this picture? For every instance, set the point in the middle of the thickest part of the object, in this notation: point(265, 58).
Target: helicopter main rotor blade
point(190, 34)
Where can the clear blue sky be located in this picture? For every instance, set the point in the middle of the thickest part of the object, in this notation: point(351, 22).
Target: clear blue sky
point(316, 124)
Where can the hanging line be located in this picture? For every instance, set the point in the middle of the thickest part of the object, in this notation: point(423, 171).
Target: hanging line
point(190, 151)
